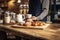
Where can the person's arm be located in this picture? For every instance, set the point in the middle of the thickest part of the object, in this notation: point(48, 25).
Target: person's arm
point(45, 7)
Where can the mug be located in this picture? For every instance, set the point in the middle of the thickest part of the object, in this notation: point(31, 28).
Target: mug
point(28, 15)
point(7, 19)
point(19, 18)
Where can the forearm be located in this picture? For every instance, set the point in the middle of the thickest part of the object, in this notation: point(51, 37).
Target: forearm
point(42, 15)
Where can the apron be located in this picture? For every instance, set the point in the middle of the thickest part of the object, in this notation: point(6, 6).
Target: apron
point(35, 7)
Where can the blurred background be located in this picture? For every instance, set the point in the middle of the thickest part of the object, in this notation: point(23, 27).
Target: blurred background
point(22, 7)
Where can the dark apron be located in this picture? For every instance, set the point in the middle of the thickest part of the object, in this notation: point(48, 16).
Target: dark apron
point(35, 7)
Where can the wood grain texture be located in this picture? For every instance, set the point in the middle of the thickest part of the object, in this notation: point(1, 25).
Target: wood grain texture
point(51, 33)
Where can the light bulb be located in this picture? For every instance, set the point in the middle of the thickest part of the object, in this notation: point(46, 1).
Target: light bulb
point(19, 1)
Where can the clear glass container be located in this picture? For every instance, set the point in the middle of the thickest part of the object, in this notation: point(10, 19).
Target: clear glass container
point(13, 17)
point(7, 17)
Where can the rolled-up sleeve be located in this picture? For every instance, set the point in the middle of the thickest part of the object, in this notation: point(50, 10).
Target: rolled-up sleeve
point(45, 6)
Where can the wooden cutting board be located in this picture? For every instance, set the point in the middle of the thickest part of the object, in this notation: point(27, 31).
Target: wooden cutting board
point(31, 27)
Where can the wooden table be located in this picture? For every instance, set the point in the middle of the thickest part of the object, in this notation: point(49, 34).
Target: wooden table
point(52, 32)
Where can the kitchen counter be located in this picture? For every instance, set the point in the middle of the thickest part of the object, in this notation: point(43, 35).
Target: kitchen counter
point(52, 32)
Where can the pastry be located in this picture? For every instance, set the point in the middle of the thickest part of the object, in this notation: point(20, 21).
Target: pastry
point(29, 20)
point(21, 23)
point(38, 23)
point(28, 24)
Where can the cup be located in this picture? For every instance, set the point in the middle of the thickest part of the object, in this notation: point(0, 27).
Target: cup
point(7, 19)
point(19, 18)
point(28, 15)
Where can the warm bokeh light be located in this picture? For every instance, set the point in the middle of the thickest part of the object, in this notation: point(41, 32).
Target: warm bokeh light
point(17, 6)
point(19, 1)
point(11, 4)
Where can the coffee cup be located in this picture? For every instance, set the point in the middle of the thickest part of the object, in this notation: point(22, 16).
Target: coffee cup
point(19, 18)
point(7, 19)
point(28, 15)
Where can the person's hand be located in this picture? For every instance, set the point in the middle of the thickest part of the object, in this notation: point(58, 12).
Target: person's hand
point(34, 18)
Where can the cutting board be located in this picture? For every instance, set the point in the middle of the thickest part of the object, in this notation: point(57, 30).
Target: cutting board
point(31, 27)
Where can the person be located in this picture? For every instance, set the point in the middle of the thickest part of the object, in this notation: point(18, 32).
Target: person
point(39, 8)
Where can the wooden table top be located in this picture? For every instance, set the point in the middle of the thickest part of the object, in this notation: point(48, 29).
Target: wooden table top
point(52, 32)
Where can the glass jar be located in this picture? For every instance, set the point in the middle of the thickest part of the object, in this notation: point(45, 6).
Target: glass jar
point(13, 17)
point(7, 17)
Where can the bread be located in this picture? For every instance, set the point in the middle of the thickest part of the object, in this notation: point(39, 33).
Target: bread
point(38, 23)
point(21, 23)
point(27, 24)
point(41, 23)
point(35, 23)
point(29, 20)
